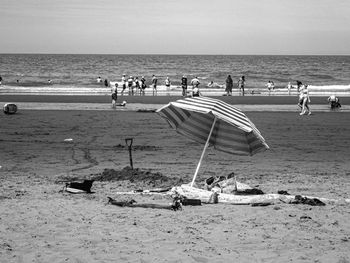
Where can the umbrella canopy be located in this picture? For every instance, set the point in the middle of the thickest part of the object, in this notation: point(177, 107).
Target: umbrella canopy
point(215, 123)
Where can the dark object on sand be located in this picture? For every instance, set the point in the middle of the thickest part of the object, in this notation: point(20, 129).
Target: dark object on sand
point(146, 110)
point(187, 201)
point(262, 204)
point(307, 201)
point(253, 191)
point(129, 142)
point(84, 186)
point(10, 108)
point(176, 205)
point(282, 192)
point(159, 190)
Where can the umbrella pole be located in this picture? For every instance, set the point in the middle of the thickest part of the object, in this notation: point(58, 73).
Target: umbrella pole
point(203, 152)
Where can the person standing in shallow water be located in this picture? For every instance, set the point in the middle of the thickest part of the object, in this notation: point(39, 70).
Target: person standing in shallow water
point(195, 82)
point(229, 85)
point(240, 84)
point(123, 84)
point(106, 83)
point(184, 86)
point(130, 85)
point(143, 85)
point(154, 84)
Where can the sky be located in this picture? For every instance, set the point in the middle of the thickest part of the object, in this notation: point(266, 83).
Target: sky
point(233, 27)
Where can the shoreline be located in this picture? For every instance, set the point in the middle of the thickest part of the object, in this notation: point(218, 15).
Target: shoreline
point(141, 107)
point(234, 100)
point(152, 103)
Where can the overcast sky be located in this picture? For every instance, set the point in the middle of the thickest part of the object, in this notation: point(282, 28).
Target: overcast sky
point(306, 27)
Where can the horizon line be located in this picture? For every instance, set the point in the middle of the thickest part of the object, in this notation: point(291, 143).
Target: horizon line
point(165, 54)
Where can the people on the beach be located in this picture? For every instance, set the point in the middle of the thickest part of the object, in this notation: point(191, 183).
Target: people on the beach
point(240, 84)
point(137, 85)
point(184, 85)
point(130, 85)
point(167, 83)
point(123, 84)
point(229, 85)
point(0, 80)
point(289, 87)
point(270, 86)
point(195, 82)
point(300, 98)
point(143, 85)
point(195, 92)
point(106, 82)
point(99, 80)
point(304, 96)
point(334, 102)
point(114, 90)
point(213, 84)
point(154, 84)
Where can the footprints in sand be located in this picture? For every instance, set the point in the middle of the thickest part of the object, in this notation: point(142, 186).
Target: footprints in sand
point(83, 155)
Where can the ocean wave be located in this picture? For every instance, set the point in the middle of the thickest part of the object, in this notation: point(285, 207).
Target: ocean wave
point(82, 70)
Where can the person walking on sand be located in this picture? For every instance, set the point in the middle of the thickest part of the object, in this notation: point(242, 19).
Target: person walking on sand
point(184, 85)
point(123, 84)
point(154, 84)
point(240, 84)
point(114, 90)
point(300, 97)
point(0, 80)
point(304, 94)
point(229, 85)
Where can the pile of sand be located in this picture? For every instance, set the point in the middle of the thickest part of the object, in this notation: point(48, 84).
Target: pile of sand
point(137, 176)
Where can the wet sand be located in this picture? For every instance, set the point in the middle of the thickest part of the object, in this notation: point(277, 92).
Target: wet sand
point(246, 100)
point(39, 223)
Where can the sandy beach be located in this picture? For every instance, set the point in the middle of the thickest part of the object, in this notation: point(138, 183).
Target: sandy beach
point(42, 223)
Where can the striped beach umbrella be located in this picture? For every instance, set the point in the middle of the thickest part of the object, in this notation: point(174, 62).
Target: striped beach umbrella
point(215, 123)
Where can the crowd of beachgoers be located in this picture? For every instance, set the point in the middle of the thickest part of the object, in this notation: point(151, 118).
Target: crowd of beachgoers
point(134, 86)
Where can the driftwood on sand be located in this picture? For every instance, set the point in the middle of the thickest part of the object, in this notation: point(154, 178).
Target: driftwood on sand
point(176, 205)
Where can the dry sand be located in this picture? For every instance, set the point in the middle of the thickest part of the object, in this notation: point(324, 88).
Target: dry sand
point(39, 223)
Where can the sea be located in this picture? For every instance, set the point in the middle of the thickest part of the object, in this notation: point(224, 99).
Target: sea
point(82, 70)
